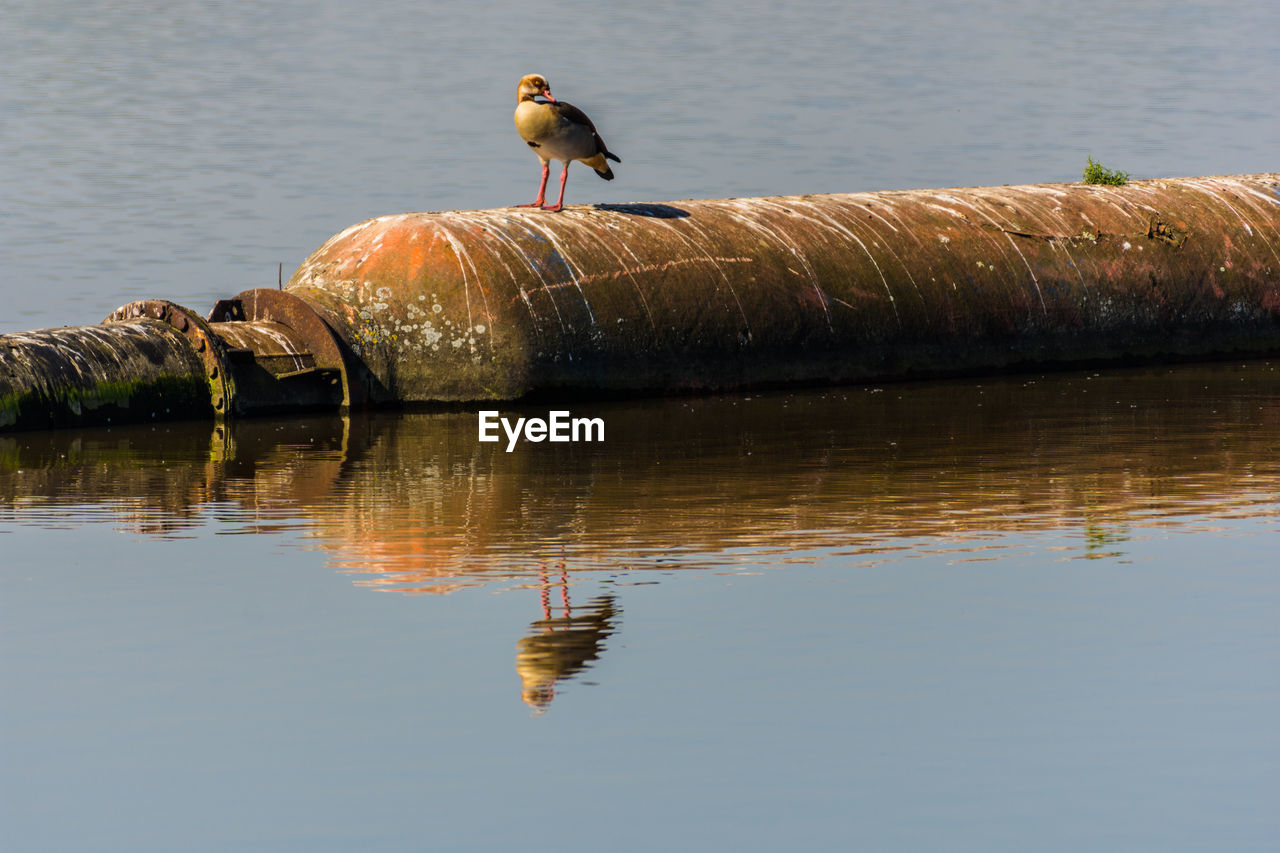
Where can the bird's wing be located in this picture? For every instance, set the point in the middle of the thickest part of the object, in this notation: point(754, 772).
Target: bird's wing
point(570, 113)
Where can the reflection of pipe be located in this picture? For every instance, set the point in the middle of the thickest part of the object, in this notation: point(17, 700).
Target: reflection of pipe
point(502, 304)
point(413, 503)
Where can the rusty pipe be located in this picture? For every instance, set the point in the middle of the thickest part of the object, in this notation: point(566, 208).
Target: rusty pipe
point(98, 375)
point(694, 295)
point(258, 353)
point(502, 304)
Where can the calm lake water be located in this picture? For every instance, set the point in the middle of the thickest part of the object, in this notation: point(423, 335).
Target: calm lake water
point(1033, 613)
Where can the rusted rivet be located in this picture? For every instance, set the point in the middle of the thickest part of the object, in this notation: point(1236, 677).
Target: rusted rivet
point(183, 324)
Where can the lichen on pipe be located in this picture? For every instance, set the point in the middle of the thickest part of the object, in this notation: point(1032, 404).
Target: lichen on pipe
point(692, 295)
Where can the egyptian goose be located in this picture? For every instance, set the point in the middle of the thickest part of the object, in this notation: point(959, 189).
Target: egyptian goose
point(557, 131)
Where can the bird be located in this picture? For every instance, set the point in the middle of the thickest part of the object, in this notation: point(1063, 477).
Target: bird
point(557, 131)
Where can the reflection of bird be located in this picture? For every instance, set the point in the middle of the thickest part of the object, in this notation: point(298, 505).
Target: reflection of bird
point(557, 131)
point(559, 647)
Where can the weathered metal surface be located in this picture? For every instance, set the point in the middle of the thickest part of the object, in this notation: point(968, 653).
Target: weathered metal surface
point(157, 360)
point(693, 295)
point(140, 370)
point(206, 345)
point(501, 304)
point(293, 346)
point(274, 370)
point(269, 352)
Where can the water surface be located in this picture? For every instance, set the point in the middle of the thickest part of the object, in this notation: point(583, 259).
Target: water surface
point(1023, 612)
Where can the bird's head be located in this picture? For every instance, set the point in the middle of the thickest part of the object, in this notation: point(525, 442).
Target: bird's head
point(532, 85)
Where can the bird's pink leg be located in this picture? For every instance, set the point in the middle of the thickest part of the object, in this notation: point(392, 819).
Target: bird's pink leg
point(542, 188)
point(564, 176)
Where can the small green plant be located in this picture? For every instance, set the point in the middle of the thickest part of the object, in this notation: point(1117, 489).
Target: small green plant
point(1096, 173)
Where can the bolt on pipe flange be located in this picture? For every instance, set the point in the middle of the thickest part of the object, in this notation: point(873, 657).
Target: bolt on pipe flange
point(195, 329)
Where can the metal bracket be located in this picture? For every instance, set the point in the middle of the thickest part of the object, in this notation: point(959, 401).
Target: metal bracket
point(280, 306)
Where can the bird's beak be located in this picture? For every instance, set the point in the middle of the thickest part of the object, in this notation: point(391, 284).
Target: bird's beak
point(546, 93)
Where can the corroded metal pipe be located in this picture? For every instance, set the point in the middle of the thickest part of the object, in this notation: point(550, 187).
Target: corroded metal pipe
point(263, 351)
point(694, 295)
point(501, 304)
point(97, 375)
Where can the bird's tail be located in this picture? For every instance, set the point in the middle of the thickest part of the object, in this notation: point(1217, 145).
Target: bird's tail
point(614, 157)
point(598, 163)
